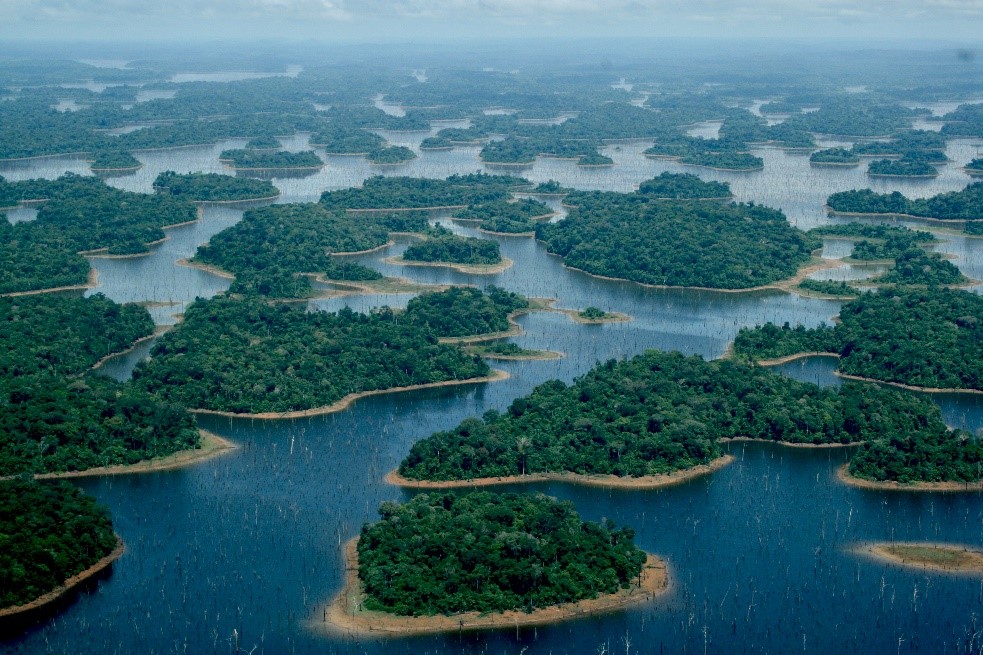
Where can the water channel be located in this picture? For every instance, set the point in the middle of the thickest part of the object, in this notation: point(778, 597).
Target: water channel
point(759, 553)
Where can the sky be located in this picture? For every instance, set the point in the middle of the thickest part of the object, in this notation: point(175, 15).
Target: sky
point(423, 20)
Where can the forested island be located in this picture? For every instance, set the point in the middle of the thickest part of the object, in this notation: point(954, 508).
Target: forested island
point(80, 214)
point(678, 243)
point(108, 160)
point(915, 267)
point(51, 533)
point(249, 159)
point(55, 414)
point(506, 217)
point(875, 242)
point(964, 205)
point(441, 246)
point(930, 338)
point(719, 154)
point(975, 167)
point(473, 558)
point(684, 186)
point(269, 249)
point(901, 168)
point(391, 155)
point(834, 157)
point(340, 140)
point(213, 187)
point(661, 413)
point(245, 356)
point(420, 193)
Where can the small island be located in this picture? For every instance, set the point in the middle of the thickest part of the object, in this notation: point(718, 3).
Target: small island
point(834, 157)
point(943, 558)
point(508, 351)
point(964, 205)
point(411, 193)
point(448, 563)
point(54, 538)
point(108, 162)
point(261, 160)
point(679, 243)
point(901, 168)
point(684, 186)
point(506, 217)
point(214, 188)
point(340, 140)
point(391, 155)
point(441, 247)
point(595, 160)
point(595, 315)
point(974, 168)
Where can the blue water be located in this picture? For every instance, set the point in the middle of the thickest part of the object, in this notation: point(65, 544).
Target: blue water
point(758, 553)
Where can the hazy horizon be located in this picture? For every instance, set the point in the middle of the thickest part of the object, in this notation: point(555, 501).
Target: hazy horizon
point(346, 21)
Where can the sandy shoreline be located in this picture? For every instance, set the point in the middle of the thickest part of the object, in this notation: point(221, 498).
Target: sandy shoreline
point(941, 557)
point(912, 217)
point(909, 387)
point(344, 614)
point(92, 281)
point(158, 330)
point(790, 444)
point(574, 315)
point(791, 358)
point(843, 474)
point(212, 445)
point(68, 585)
point(473, 269)
point(343, 403)
point(603, 481)
point(363, 252)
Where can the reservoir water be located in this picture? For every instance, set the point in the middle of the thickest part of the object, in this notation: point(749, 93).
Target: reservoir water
point(248, 544)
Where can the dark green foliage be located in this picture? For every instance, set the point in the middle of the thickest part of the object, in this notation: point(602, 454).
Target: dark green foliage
point(485, 552)
point(920, 457)
point(678, 243)
point(268, 142)
point(901, 168)
point(112, 159)
point(953, 205)
point(728, 161)
point(975, 167)
point(680, 186)
point(551, 187)
point(54, 414)
point(347, 140)
point(64, 335)
point(927, 338)
point(965, 121)
point(53, 423)
point(854, 117)
point(464, 311)
point(249, 159)
point(391, 155)
point(271, 245)
point(657, 413)
point(441, 245)
point(592, 313)
point(828, 287)
point(213, 187)
point(594, 159)
point(834, 156)
point(504, 216)
point(81, 214)
point(50, 532)
point(409, 192)
point(246, 356)
point(915, 266)
point(436, 143)
point(876, 149)
point(722, 153)
point(878, 242)
point(769, 341)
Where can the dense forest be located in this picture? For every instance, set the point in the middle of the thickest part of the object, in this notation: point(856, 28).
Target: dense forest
point(926, 338)
point(340, 140)
point(440, 245)
point(111, 159)
point(464, 311)
point(414, 193)
point(662, 412)
point(271, 246)
point(901, 168)
point(246, 159)
point(246, 356)
point(678, 243)
point(485, 552)
point(56, 415)
point(975, 167)
point(50, 532)
point(950, 206)
point(917, 267)
point(683, 186)
point(875, 241)
point(836, 156)
point(391, 155)
point(506, 216)
point(212, 187)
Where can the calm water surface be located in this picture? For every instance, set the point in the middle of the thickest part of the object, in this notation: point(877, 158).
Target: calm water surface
point(759, 553)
